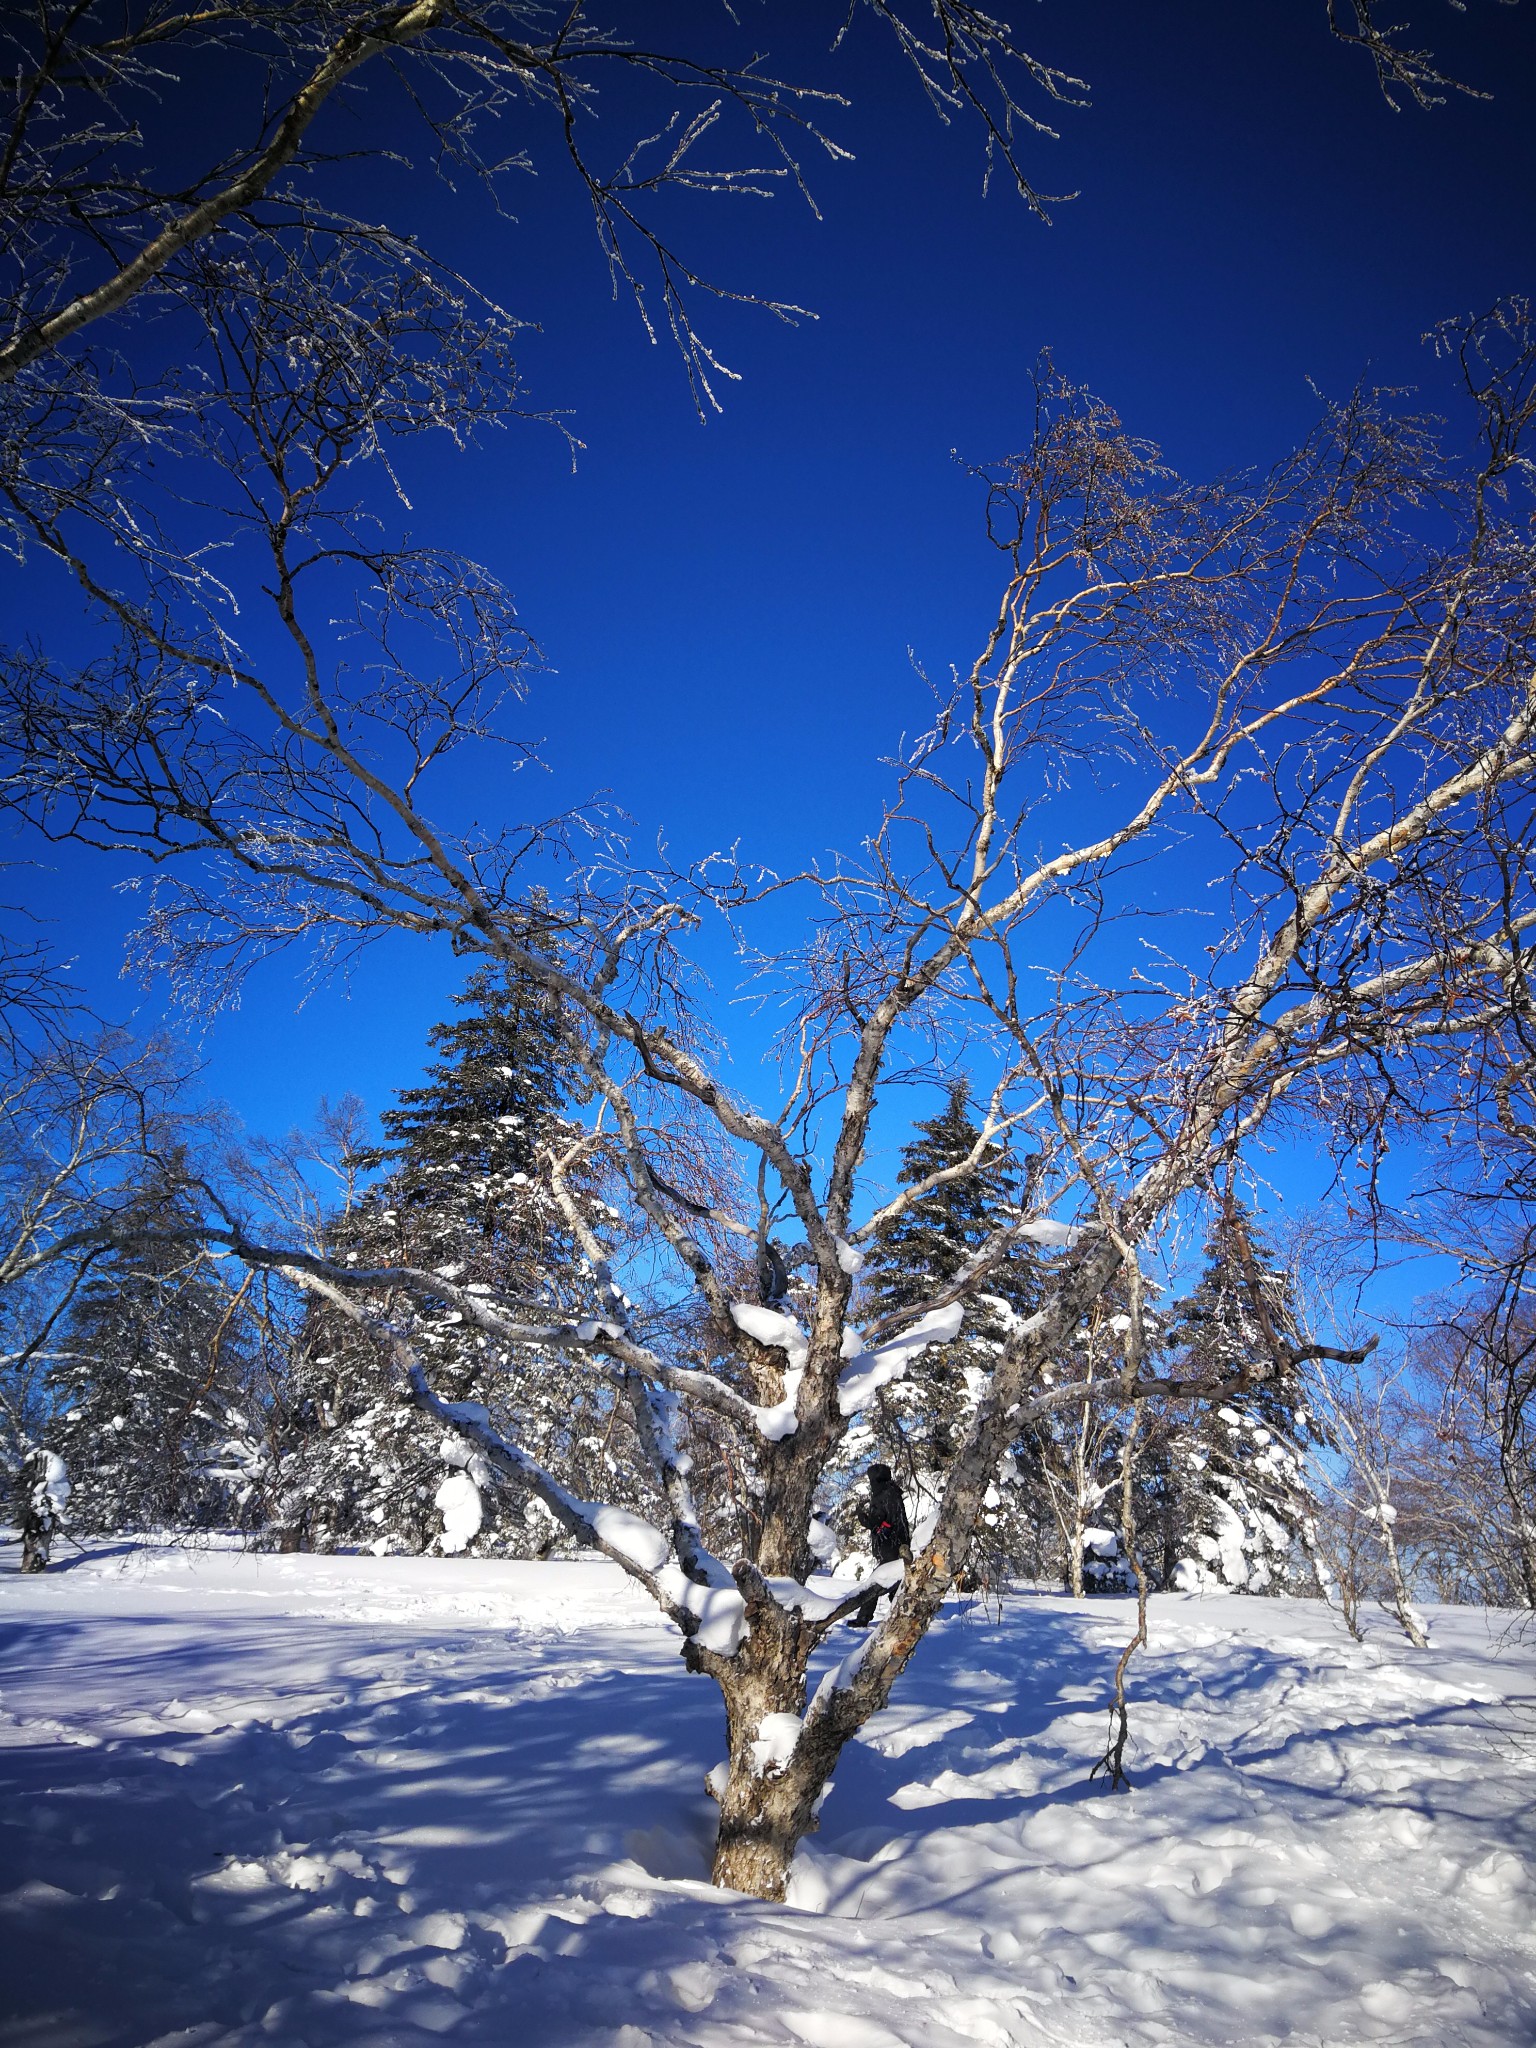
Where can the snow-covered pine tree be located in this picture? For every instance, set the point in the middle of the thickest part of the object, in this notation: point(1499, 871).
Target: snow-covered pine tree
point(154, 1420)
point(917, 1423)
point(1229, 1494)
point(465, 1192)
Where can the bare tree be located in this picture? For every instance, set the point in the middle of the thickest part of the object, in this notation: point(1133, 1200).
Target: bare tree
point(1467, 1443)
point(1464, 1419)
point(1360, 1515)
point(122, 257)
point(1493, 1370)
point(1078, 1448)
point(1317, 682)
point(97, 223)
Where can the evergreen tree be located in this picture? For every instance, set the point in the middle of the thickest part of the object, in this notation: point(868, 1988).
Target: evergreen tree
point(918, 1423)
point(154, 1422)
point(466, 1193)
point(1230, 1500)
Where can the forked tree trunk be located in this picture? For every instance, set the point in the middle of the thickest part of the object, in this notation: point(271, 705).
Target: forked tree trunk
point(767, 1804)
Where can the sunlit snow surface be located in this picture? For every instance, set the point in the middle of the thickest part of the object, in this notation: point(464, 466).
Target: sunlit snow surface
point(263, 1799)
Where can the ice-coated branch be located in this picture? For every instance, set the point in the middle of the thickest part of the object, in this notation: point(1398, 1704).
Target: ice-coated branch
point(390, 28)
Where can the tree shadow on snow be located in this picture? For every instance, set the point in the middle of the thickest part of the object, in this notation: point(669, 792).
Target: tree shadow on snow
point(243, 1851)
point(323, 1833)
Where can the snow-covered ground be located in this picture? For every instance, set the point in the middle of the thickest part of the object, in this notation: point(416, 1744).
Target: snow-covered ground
point(261, 1799)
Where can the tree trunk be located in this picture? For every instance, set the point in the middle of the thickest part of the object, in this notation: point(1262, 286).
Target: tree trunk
point(1403, 1609)
point(1525, 1536)
point(763, 1819)
point(39, 1516)
point(1072, 1536)
point(36, 1549)
point(767, 1803)
point(1525, 1529)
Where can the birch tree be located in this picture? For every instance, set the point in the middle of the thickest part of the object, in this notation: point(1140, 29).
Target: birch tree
point(1312, 688)
point(1359, 1493)
point(1320, 679)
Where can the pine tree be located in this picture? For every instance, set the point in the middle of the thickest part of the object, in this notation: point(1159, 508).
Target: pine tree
point(154, 1422)
point(917, 1424)
point(465, 1193)
point(1232, 1497)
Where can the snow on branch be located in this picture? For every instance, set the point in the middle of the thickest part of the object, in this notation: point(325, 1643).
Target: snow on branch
point(770, 1327)
point(1050, 1234)
point(695, 1591)
point(603, 1342)
point(713, 1614)
point(868, 1371)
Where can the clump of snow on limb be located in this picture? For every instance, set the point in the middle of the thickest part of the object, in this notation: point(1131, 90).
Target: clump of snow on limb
point(1048, 1232)
point(770, 1326)
point(52, 1489)
point(630, 1535)
point(783, 1333)
point(869, 1371)
point(460, 1498)
point(718, 1607)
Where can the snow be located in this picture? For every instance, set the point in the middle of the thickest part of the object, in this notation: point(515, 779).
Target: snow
point(869, 1371)
point(1227, 1546)
point(458, 1499)
point(1049, 1233)
point(779, 1421)
point(52, 1488)
point(630, 1535)
point(343, 1800)
point(815, 1603)
point(839, 1676)
point(777, 1735)
point(589, 1331)
point(719, 1607)
point(769, 1326)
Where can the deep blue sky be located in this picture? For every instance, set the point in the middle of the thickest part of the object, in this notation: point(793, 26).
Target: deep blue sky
point(727, 607)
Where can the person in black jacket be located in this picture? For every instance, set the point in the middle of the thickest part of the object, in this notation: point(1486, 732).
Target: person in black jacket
point(890, 1534)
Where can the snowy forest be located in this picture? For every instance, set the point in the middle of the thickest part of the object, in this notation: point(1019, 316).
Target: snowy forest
point(164, 1387)
point(1065, 1205)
